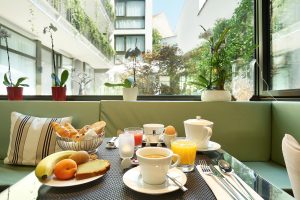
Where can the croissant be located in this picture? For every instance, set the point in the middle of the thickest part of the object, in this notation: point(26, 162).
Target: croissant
point(60, 129)
point(71, 129)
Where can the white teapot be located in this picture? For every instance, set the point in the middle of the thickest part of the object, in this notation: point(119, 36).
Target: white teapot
point(198, 130)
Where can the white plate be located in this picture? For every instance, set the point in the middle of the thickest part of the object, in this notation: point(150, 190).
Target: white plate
point(133, 180)
point(212, 146)
point(52, 181)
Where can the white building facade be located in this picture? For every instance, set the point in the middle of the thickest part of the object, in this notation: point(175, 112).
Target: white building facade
point(133, 26)
point(30, 48)
point(200, 12)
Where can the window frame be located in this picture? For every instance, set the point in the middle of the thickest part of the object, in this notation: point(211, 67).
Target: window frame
point(263, 80)
point(125, 36)
point(262, 54)
point(129, 17)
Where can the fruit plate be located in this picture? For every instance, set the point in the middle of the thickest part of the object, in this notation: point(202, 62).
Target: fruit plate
point(54, 182)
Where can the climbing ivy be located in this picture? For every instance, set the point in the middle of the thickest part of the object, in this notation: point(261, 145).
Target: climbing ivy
point(86, 26)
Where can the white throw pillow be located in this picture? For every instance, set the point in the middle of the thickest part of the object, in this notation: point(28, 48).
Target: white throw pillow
point(31, 139)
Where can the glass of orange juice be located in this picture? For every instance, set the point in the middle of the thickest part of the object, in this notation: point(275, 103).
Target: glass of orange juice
point(186, 149)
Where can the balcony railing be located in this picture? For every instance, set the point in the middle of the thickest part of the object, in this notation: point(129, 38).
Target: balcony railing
point(72, 11)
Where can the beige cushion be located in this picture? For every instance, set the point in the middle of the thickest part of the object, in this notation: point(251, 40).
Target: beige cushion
point(291, 154)
point(31, 139)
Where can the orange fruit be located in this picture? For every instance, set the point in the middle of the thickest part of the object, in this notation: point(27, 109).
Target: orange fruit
point(170, 130)
point(65, 169)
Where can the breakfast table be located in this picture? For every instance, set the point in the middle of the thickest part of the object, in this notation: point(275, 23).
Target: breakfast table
point(111, 186)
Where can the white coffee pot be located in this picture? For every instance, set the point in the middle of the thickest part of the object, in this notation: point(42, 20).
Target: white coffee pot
point(198, 130)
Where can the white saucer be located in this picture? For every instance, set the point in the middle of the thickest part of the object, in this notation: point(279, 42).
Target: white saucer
point(133, 179)
point(212, 146)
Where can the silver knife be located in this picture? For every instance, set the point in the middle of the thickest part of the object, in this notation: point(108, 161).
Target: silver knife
point(230, 186)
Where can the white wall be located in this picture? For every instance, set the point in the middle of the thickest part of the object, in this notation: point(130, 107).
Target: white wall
point(188, 26)
point(148, 25)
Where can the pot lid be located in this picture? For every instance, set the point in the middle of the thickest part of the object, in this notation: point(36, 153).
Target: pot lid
point(198, 121)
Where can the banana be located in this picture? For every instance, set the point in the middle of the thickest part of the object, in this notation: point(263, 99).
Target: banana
point(45, 167)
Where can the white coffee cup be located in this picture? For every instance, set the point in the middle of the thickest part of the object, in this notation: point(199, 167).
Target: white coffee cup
point(154, 163)
point(198, 130)
point(153, 132)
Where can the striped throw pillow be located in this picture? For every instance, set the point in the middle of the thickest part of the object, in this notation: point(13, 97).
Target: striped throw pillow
point(31, 139)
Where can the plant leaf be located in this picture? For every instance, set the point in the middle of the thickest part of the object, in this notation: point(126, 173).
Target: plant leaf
point(20, 80)
point(128, 53)
point(114, 84)
point(221, 39)
point(56, 79)
point(64, 77)
point(24, 85)
point(6, 81)
point(127, 83)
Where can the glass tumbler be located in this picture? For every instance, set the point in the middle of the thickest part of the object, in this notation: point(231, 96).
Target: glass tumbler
point(186, 149)
point(126, 145)
point(137, 133)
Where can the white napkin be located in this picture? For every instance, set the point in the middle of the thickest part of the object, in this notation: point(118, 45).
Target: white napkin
point(291, 154)
point(220, 192)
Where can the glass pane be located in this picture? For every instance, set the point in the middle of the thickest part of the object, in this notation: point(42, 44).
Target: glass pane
point(285, 51)
point(20, 43)
point(130, 23)
point(67, 64)
point(20, 67)
point(120, 8)
point(135, 8)
point(120, 43)
point(46, 80)
point(133, 41)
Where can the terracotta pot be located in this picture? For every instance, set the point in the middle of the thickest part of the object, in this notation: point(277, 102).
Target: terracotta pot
point(15, 93)
point(59, 93)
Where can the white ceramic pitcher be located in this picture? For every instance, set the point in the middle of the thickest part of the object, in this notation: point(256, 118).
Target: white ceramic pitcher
point(198, 130)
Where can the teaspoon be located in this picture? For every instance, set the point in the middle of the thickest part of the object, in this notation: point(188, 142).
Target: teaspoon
point(226, 168)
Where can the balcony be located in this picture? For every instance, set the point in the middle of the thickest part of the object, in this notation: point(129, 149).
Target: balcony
point(78, 36)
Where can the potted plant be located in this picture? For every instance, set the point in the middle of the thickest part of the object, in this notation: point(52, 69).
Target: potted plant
point(59, 88)
point(219, 71)
point(14, 90)
point(130, 89)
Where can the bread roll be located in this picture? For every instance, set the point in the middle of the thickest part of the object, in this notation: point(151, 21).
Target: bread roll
point(60, 129)
point(73, 131)
point(98, 127)
point(83, 130)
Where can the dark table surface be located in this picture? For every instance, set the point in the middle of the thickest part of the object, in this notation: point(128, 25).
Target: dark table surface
point(111, 186)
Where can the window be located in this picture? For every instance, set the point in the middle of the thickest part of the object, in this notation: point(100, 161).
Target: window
point(285, 46)
point(130, 14)
point(171, 40)
point(21, 66)
point(124, 42)
point(22, 61)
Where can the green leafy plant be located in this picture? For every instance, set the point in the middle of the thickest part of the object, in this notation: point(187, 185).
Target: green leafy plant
point(129, 82)
point(7, 80)
point(58, 82)
point(218, 72)
point(87, 27)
